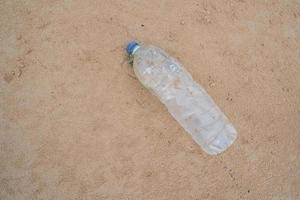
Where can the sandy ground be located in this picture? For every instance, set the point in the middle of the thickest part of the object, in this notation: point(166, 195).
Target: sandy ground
point(76, 124)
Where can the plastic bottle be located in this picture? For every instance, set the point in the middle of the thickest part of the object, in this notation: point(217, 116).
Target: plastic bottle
point(186, 100)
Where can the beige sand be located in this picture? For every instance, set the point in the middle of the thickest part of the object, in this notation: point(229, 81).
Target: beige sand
point(76, 124)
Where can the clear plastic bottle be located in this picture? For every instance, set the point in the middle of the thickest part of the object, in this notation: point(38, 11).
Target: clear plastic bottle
point(186, 100)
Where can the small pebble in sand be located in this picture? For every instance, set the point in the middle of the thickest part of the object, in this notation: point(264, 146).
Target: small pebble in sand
point(212, 84)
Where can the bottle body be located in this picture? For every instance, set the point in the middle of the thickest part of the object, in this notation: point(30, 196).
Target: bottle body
point(186, 100)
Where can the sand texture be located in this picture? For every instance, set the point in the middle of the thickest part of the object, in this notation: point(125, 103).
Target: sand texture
point(76, 124)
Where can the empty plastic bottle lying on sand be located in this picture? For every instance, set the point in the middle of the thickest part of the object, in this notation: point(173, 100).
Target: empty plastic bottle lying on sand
point(186, 100)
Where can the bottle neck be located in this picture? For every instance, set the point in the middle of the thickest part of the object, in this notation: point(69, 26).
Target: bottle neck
point(135, 49)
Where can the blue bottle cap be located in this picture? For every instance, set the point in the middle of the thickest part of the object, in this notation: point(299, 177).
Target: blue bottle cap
point(131, 46)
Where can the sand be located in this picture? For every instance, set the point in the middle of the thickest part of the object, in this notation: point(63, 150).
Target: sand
point(75, 123)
